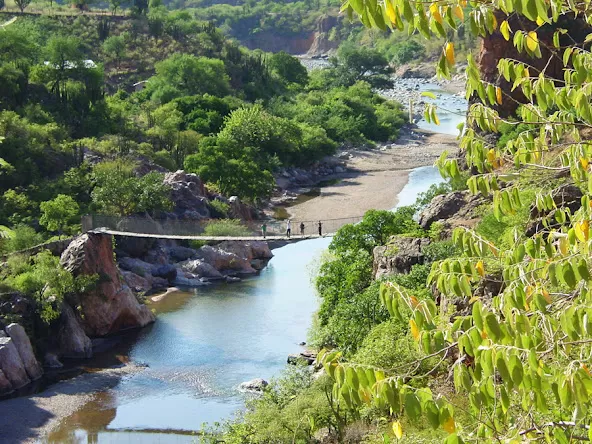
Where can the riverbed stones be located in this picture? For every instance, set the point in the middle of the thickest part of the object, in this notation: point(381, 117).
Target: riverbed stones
point(254, 385)
point(25, 350)
point(12, 365)
point(201, 268)
point(307, 356)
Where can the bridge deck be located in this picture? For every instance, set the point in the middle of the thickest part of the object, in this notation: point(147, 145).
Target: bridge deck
point(295, 237)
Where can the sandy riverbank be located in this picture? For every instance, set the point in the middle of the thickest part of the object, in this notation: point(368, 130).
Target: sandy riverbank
point(29, 419)
point(375, 177)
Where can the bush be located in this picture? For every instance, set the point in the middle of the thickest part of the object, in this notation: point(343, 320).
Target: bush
point(221, 208)
point(226, 227)
point(23, 237)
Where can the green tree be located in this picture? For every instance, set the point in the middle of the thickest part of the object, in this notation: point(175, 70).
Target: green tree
point(185, 74)
point(354, 63)
point(115, 48)
point(58, 213)
point(288, 68)
point(22, 4)
point(231, 168)
point(118, 191)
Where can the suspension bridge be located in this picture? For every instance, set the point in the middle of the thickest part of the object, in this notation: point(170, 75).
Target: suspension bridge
point(175, 229)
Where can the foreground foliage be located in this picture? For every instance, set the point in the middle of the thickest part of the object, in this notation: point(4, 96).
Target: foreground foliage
point(520, 356)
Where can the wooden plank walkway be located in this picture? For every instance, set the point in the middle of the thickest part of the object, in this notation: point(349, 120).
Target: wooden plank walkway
point(295, 237)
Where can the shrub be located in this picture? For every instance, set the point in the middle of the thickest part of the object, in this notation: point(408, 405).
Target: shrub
point(226, 227)
point(23, 237)
point(221, 208)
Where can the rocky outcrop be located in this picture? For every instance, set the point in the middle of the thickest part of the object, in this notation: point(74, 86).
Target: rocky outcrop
point(416, 71)
point(236, 258)
point(495, 47)
point(452, 209)
point(71, 338)
point(23, 345)
point(254, 385)
point(12, 365)
point(110, 306)
point(201, 269)
point(398, 256)
point(307, 357)
point(5, 385)
point(188, 194)
point(565, 196)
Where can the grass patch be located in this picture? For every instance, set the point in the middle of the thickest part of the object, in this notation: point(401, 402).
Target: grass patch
point(226, 227)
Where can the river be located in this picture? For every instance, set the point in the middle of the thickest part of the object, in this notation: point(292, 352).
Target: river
point(206, 342)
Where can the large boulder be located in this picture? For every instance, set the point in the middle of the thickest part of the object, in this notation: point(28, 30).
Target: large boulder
point(456, 209)
point(254, 385)
point(135, 246)
point(136, 266)
point(137, 283)
point(109, 306)
point(188, 194)
point(398, 256)
point(72, 341)
point(5, 385)
point(180, 254)
point(201, 269)
point(225, 261)
point(25, 350)
point(12, 365)
point(240, 210)
point(247, 250)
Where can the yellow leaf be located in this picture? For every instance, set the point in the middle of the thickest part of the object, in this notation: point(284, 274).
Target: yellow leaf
point(563, 244)
point(584, 162)
point(397, 429)
point(435, 11)
point(390, 12)
point(491, 155)
point(546, 296)
point(449, 52)
point(532, 41)
point(413, 301)
point(539, 21)
point(480, 268)
point(526, 73)
point(449, 425)
point(498, 95)
point(585, 368)
point(505, 30)
point(463, 3)
point(483, 334)
point(582, 230)
point(414, 329)
point(494, 26)
point(458, 11)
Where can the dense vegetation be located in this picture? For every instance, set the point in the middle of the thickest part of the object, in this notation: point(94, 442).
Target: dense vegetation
point(76, 133)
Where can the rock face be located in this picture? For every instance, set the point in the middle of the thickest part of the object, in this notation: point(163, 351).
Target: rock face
point(453, 209)
point(12, 365)
point(189, 195)
point(494, 47)
point(254, 385)
point(110, 306)
point(235, 258)
point(398, 256)
point(25, 350)
point(201, 269)
point(565, 196)
point(5, 385)
point(72, 341)
point(307, 356)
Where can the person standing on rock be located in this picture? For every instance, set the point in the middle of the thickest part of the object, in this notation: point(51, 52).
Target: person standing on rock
point(264, 229)
point(288, 228)
point(320, 228)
